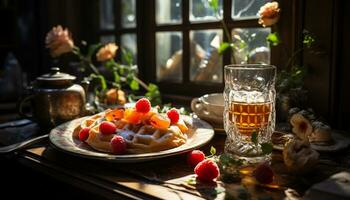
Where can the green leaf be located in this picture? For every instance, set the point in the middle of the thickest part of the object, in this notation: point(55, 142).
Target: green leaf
point(243, 44)
point(110, 64)
point(214, 4)
point(223, 47)
point(266, 147)
point(165, 108)
point(103, 82)
point(212, 150)
point(219, 190)
point(116, 77)
point(153, 94)
point(273, 39)
point(127, 56)
point(152, 87)
point(134, 85)
point(254, 137)
point(308, 40)
point(183, 111)
point(191, 181)
point(224, 159)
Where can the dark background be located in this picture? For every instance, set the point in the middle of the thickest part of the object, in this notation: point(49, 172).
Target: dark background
point(24, 25)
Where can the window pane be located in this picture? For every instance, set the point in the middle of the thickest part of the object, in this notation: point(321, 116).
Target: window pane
point(169, 56)
point(168, 11)
point(206, 63)
point(106, 14)
point(243, 9)
point(128, 14)
point(107, 39)
point(201, 11)
point(250, 45)
point(129, 43)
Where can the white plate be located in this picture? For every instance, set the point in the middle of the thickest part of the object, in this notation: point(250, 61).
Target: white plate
point(62, 138)
point(340, 141)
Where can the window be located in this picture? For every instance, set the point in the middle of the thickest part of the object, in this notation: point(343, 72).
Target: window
point(178, 40)
point(188, 36)
point(118, 24)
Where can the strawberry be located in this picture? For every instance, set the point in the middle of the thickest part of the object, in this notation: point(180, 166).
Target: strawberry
point(263, 173)
point(143, 105)
point(207, 170)
point(107, 128)
point(84, 134)
point(118, 145)
point(195, 157)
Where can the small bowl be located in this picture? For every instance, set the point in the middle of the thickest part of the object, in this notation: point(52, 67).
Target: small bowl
point(209, 107)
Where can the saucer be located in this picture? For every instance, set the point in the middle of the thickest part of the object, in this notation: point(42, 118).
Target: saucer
point(218, 128)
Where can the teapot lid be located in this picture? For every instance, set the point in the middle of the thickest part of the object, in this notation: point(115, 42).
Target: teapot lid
point(55, 78)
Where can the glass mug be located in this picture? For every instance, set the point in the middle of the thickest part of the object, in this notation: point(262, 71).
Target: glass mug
point(249, 96)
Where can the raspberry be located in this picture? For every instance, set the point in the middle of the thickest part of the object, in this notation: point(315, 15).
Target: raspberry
point(84, 134)
point(143, 105)
point(195, 157)
point(263, 173)
point(118, 145)
point(207, 170)
point(107, 128)
point(173, 115)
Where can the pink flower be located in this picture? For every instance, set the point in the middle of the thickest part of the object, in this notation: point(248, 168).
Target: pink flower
point(269, 14)
point(107, 52)
point(59, 41)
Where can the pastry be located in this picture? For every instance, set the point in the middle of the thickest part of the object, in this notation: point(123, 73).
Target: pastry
point(302, 127)
point(143, 129)
point(299, 157)
point(321, 133)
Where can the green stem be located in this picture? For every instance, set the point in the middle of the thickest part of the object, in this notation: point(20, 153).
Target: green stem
point(93, 68)
point(77, 52)
point(141, 83)
point(293, 57)
point(228, 35)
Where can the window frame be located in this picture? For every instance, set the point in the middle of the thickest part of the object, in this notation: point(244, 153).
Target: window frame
point(118, 30)
point(146, 29)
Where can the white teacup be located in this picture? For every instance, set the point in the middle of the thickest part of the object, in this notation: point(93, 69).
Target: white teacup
point(209, 107)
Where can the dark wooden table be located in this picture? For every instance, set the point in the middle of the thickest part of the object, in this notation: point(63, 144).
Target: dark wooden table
point(165, 178)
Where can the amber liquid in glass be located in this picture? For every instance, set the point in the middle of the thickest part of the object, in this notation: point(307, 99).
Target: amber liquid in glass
point(249, 117)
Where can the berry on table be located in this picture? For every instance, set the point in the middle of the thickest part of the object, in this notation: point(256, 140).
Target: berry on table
point(195, 157)
point(143, 105)
point(84, 134)
point(207, 170)
point(118, 145)
point(173, 115)
point(263, 173)
point(107, 128)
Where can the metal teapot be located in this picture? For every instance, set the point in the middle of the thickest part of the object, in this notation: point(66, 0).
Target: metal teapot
point(55, 99)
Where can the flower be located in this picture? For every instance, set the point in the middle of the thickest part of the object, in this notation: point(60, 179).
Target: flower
point(269, 14)
point(115, 96)
point(59, 41)
point(109, 91)
point(107, 52)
